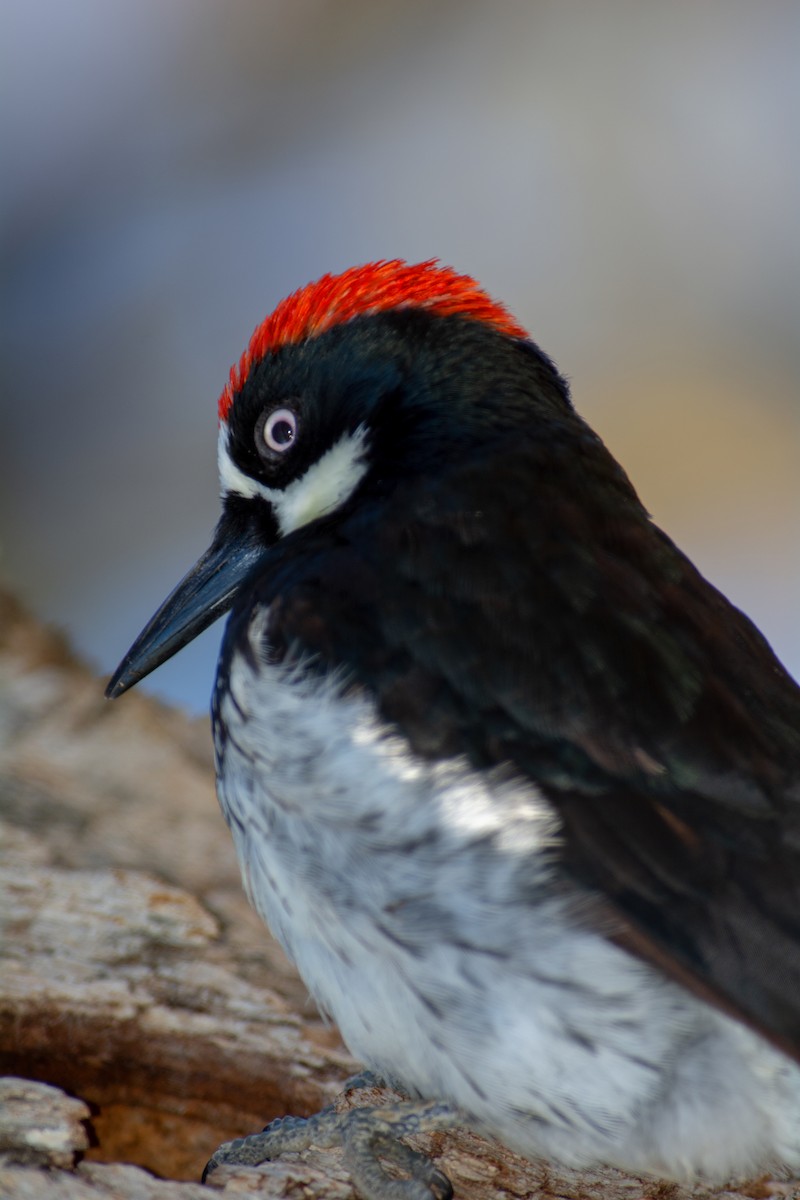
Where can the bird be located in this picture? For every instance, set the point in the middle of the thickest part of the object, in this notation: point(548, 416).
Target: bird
point(515, 786)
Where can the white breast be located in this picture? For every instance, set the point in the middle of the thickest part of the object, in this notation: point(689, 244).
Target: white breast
point(423, 907)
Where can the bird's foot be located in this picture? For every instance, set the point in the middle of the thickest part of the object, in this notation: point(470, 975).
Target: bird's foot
point(367, 1135)
point(366, 1079)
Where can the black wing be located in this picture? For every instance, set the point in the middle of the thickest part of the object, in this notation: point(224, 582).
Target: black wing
point(534, 615)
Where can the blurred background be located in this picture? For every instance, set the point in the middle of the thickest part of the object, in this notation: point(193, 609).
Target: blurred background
point(625, 176)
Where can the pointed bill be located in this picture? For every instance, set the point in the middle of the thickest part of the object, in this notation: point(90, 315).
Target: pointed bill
point(204, 594)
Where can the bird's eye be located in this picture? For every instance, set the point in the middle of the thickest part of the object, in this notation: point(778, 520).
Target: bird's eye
point(280, 430)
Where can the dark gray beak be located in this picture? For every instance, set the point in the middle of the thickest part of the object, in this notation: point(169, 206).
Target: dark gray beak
point(207, 592)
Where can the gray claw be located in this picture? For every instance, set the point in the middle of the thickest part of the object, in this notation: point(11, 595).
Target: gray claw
point(366, 1135)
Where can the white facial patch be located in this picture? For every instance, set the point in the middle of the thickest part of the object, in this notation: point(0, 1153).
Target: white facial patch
point(325, 486)
point(231, 478)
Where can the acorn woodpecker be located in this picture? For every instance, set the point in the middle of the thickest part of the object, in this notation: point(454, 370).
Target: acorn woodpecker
point(516, 788)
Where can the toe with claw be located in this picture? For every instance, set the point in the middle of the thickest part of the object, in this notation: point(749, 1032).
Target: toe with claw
point(369, 1138)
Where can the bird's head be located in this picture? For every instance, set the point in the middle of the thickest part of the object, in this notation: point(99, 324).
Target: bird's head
point(353, 384)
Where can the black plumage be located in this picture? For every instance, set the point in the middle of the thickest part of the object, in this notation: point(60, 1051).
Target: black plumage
point(497, 585)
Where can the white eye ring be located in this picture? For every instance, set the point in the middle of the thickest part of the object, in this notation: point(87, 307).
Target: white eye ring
point(280, 430)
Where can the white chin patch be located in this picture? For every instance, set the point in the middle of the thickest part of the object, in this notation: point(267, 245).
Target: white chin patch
point(326, 485)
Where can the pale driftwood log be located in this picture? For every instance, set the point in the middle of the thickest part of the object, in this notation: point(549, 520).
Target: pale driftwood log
point(137, 986)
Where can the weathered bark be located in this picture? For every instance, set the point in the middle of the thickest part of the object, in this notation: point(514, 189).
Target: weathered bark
point(137, 983)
